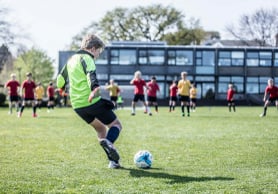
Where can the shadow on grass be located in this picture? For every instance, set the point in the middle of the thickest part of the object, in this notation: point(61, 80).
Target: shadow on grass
point(173, 179)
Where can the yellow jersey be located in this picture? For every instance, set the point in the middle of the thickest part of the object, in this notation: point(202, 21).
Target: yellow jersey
point(113, 90)
point(39, 91)
point(193, 93)
point(184, 87)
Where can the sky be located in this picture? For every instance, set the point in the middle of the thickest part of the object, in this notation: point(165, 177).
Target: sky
point(51, 24)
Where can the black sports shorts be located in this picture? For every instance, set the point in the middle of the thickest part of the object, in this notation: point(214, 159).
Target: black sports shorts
point(13, 98)
point(193, 100)
point(51, 98)
point(139, 97)
point(102, 110)
point(152, 99)
point(114, 98)
point(173, 98)
point(184, 98)
point(272, 99)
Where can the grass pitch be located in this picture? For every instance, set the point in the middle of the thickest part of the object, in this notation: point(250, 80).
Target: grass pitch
point(213, 151)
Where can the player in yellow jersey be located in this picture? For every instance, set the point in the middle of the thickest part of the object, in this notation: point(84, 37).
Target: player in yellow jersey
point(193, 97)
point(183, 91)
point(114, 91)
point(39, 92)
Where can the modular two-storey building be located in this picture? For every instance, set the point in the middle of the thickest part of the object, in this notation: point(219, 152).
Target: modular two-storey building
point(210, 68)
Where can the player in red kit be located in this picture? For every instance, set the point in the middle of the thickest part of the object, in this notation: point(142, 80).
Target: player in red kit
point(13, 87)
point(230, 98)
point(270, 96)
point(173, 96)
point(28, 94)
point(139, 84)
point(50, 95)
point(152, 89)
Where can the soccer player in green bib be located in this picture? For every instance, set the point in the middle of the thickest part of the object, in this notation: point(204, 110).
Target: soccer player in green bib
point(85, 97)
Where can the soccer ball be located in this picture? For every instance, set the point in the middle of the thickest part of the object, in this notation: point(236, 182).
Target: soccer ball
point(143, 159)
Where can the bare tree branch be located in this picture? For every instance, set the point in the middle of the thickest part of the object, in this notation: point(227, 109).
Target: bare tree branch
point(261, 27)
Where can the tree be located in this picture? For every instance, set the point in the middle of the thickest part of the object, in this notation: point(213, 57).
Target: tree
point(36, 62)
point(76, 40)
point(6, 35)
point(261, 27)
point(186, 35)
point(4, 55)
point(151, 23)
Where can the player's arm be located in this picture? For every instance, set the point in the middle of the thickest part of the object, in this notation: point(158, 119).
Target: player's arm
point(179, 85)
point(18, 89)
point(90, 71)
point(147, 86)
point(118, 91)
point(132, 82)
point(62, 77)
point(107, 86)
point(7, 88)
point(232, 96)
point(93, 83)
point(265, 94)
point(92, 80)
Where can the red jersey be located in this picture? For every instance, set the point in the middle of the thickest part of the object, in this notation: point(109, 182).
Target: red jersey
point(173, 90)
point(230, 94)
point(139, 86)
point(272, 91)
point(28, 87)
point(152, 89)
point(13, 86)
point(50, 91)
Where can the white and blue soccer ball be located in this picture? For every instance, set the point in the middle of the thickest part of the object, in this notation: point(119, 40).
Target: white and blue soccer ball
point(143, 159)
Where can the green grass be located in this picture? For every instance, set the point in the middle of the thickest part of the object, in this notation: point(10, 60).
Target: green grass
point(213, 151)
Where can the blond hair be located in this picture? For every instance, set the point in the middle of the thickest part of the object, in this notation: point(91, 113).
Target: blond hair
point(184, 73)
point(137, 74)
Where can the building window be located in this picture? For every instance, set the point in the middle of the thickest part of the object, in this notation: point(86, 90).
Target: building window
point(204, 78)
point(156, 57)
point(180, 57)
point(102, 76)
point(123, 56)
point(143, 57)
point(276, 59)
point(261, 58)
point(231, 58)
point(224, 81)
point(207, 90)
point(151, 56)
point(205, 70)
point(252, 85)
point(205, 62)
point(205, 58)
point(171, 57)
point(262, 84)
point(121, 77)
point(265, 58)
point(103, 58)
point(252, 59)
